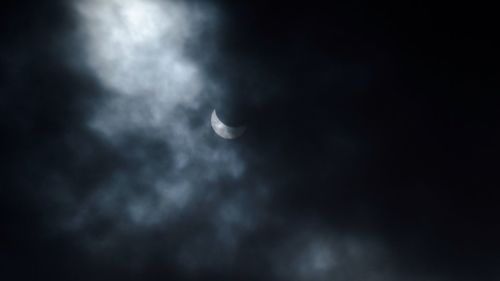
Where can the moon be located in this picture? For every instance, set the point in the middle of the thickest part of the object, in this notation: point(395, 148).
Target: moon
point(225, 131)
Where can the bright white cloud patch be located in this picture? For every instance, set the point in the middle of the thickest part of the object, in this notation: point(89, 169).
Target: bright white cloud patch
point(137, 48)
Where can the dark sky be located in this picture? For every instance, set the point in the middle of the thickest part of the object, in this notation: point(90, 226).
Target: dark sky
point(371, 150)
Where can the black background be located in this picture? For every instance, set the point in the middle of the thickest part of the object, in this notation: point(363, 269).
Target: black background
point(381, 116)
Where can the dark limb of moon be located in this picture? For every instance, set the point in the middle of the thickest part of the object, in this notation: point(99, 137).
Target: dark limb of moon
point(225, 131)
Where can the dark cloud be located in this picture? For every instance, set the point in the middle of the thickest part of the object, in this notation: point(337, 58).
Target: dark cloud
point(370, 152)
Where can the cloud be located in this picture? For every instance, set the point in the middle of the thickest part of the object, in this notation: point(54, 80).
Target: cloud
point(154, 115)
point(319, 252)
point(346, 171)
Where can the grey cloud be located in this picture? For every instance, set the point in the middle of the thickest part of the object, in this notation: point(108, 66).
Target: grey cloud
point(320, 253)
point(171, 168)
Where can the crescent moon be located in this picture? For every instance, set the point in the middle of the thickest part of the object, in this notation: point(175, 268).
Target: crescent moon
point(225, 131)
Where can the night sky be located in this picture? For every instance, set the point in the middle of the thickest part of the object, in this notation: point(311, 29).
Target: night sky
point(371, 149)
